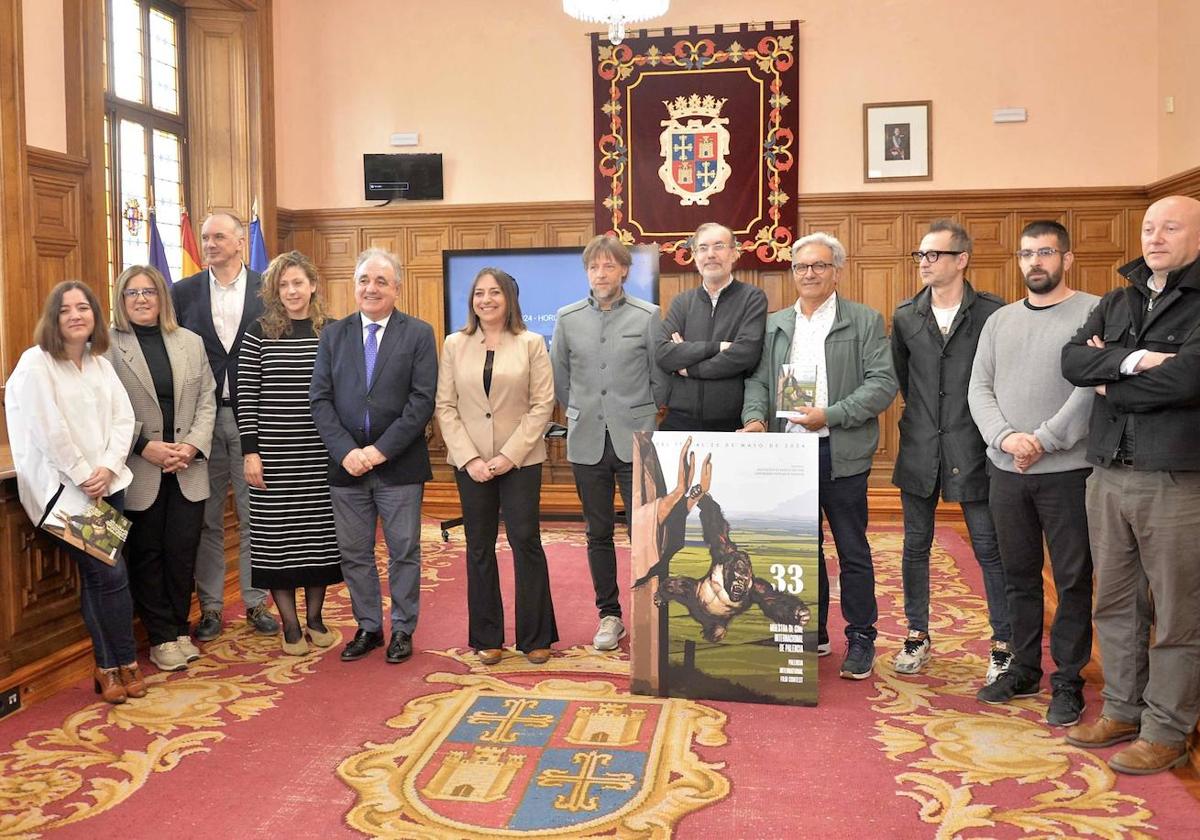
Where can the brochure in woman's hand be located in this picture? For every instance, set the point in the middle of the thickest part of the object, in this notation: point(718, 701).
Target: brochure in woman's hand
point(91, 525)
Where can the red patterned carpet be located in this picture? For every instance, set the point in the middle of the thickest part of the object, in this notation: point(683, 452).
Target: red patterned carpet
point(251, 743)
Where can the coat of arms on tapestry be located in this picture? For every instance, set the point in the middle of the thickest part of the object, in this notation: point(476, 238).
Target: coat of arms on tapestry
point(693, 127)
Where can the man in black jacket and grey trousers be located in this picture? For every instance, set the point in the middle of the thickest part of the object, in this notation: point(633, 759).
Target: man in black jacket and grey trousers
point(711, 339)
point(1140, 351)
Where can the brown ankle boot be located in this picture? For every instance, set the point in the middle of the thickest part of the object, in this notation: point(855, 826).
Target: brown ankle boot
point(131, 678)
point(108, 685)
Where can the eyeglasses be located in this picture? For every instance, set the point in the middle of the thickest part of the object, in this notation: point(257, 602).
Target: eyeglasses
point(1044, 253)
point(134, 294)
point(716, 248)
point(817, 268)
point(932, 256)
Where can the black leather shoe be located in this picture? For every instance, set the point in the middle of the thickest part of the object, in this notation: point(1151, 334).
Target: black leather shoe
point(362, 644)
point(209, 625)
point(399, 648)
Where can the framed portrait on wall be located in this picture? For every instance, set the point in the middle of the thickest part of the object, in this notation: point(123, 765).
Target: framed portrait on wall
point(897, 141)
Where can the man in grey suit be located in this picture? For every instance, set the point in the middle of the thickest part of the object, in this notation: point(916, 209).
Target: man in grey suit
point(219, 304)
point(372, 396)
point(605, 377)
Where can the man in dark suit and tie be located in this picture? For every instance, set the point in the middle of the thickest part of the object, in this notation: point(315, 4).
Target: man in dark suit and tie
point(218, 304)
point(373, 391)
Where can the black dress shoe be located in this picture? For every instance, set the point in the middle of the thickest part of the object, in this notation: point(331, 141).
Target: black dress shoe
point(400, 647)
point(362, 644)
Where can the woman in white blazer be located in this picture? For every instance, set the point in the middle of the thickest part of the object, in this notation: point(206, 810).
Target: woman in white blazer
point(165, 372)
point(70, 423)
point(495, 395)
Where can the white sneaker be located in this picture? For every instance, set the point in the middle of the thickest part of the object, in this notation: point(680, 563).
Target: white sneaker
point(824, 648)
point(168, 657)
point(611, 631)
point(190, 652)
point(913, 654)
point(999, 661)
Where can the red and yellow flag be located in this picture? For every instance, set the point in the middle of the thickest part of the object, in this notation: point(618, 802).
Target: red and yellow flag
point(191, 253)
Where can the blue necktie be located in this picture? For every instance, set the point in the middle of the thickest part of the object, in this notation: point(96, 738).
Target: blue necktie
point(370, 351)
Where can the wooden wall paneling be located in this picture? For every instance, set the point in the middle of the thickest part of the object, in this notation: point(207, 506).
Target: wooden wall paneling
point(474, 237)
point(18, 300)
point(569, 233)
point(836, 224)
point(875, 235)
point(670, 285)
point(219, 122)
point(39, 589)
point(56, 205)
point(1184, 183)
point(425, 244)
point(260, 104)
point(878, 283)
point(339, 289)
point(1099, 231)
point(389, 239)
point(916, 225)
point(991, 231)
point(779, 286)
point(1096, 273)
point(336, 248)
point(302, 240)
point(421, 294)
point(522, 234)
point(998, 274)
point(1133, 228)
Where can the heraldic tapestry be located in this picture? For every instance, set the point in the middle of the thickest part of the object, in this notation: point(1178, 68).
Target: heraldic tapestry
point(695, 127)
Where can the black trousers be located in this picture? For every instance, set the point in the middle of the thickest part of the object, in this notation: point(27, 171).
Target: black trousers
point(515, 495)
point(161, 554)
point(843, 503)
point(677, 421)
point(595, 484)
point(1024, 507)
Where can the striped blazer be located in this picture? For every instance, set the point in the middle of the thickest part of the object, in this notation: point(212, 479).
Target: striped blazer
point(195, 411)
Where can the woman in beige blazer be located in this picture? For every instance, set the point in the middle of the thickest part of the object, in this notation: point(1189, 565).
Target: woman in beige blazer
point(494, 398)
point(165, 372)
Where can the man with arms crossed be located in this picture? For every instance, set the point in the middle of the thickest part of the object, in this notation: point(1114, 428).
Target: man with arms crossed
point(609, 386)
point(845, 343)
point(1035, 424)
point(941, 454)
point(372, 396)
point(711, 339)
point(1140, 351)
point(218, 304)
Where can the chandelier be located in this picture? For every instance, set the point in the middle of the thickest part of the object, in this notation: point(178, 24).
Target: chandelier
point(616, 13)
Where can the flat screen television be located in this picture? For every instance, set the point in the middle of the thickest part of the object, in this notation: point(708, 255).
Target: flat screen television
point(547, 279)
point(417, 176)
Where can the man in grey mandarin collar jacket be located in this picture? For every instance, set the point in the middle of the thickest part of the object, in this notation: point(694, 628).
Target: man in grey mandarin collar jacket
point(605, 377)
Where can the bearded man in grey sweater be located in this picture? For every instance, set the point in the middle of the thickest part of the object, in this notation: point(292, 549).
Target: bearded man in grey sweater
point(1035, 424)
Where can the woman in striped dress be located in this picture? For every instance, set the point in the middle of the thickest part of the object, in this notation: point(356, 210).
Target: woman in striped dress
point(292, 539)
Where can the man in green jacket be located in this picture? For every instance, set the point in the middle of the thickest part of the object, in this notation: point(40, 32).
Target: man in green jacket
point(844, 343)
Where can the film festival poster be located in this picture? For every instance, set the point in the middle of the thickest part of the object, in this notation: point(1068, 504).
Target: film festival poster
point(724, 567)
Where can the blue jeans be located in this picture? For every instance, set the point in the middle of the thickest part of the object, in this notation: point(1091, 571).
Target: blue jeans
point(106, 604)
point(918, 539)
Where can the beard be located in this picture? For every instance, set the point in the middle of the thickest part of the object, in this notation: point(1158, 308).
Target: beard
point(1042, 282)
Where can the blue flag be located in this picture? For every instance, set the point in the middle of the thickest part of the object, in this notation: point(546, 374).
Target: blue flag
point(158, 254)
point(258, 248)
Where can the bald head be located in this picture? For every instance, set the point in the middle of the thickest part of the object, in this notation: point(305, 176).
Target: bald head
point(1171, 233)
